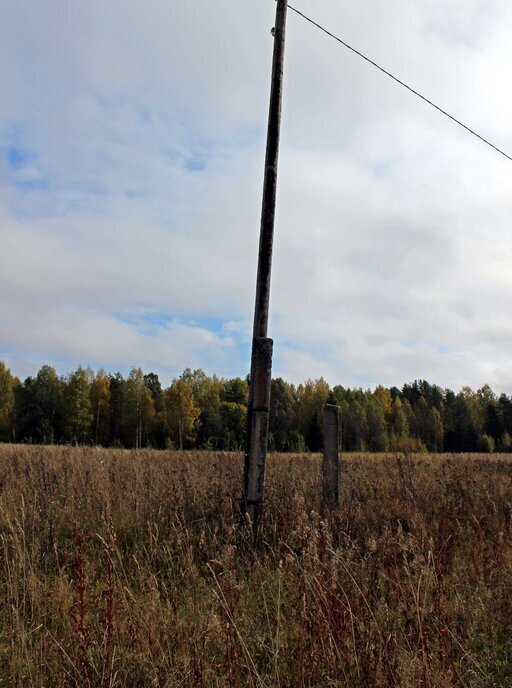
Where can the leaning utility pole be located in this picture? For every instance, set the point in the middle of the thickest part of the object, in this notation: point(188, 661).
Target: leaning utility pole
point(261, 358)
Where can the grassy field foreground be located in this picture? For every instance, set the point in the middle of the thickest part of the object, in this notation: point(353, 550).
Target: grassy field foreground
point(128, 569)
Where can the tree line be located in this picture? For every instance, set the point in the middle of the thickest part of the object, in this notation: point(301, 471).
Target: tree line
point(202, 411)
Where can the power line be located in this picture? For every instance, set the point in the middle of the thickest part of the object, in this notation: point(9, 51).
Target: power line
point(399, 81)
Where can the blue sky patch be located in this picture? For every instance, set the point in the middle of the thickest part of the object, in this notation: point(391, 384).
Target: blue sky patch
point(192, 161)
point(18, 157)
point(195, 164)
point(31, 184)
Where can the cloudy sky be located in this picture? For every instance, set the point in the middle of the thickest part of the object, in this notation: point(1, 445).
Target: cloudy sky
point(131, 154)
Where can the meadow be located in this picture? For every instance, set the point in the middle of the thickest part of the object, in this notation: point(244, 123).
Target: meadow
point(130, 568)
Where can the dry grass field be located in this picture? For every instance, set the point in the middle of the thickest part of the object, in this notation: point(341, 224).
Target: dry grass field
point(123, 568)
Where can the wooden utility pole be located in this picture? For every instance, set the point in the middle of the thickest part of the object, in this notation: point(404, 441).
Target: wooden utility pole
point(261, 358)
point(331, 463)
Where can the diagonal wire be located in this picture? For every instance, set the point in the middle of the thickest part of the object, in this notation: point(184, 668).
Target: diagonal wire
point(399, 81)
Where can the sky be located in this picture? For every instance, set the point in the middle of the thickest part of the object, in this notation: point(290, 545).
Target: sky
point(132, 140)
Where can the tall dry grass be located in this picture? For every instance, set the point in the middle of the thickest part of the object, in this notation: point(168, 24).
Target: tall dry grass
point(128, 569)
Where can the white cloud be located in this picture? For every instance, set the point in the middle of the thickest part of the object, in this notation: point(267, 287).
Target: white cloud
point(143, 128)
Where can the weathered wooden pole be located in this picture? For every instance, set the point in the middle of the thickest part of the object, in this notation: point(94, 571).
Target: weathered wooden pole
point(331, 463)
point(261, 358)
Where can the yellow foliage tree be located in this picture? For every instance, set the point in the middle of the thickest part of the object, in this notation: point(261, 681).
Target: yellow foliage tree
point(181, 412)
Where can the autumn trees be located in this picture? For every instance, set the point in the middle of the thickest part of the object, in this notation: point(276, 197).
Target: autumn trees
point(111, 410)
point(202, 411)
point(181, 412)
point(8, 383)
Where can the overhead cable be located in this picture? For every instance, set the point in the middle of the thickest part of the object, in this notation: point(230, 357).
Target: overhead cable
point(399, 81)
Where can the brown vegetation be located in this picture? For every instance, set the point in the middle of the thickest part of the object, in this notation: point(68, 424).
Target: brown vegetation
point(126, 568)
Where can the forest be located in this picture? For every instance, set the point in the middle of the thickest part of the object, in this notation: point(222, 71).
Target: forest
point(198, 411)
